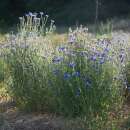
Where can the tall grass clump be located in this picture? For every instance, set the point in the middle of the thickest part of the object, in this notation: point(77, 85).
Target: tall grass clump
point(4, 75)
point(28, 64)
point(29, 74)
point(104, 29)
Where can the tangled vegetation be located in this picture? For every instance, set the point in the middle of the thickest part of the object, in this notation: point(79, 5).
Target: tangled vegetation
point(83, 78)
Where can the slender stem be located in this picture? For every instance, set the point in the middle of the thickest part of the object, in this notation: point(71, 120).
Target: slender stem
point(97, 12)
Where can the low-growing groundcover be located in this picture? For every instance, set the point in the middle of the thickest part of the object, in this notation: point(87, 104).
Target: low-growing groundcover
point(81, 79)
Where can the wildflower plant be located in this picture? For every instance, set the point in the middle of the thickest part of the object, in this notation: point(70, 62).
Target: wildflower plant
point(88, 81)
point(81, 78)
point(28, 61)
point(29, 75)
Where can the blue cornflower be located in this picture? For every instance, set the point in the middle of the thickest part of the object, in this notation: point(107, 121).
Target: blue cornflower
point(67, 76)
point(57, 59)
point(61, 49)
point(106, 50)
point(72, 64)
point(77, 74)
point(93, 58)
point(102, 61)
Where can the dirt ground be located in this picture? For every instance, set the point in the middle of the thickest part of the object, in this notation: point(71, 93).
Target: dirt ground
point(17, 120)
point(14, 119)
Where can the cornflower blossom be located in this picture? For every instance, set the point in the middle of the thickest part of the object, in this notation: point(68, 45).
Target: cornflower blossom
point(102, 61)
point(61, 49)
point(67, 76)
point(106, 50)
point(93, 58)
point(72, 64)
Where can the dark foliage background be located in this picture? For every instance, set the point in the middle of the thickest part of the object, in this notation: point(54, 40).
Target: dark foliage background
point(64, 11)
